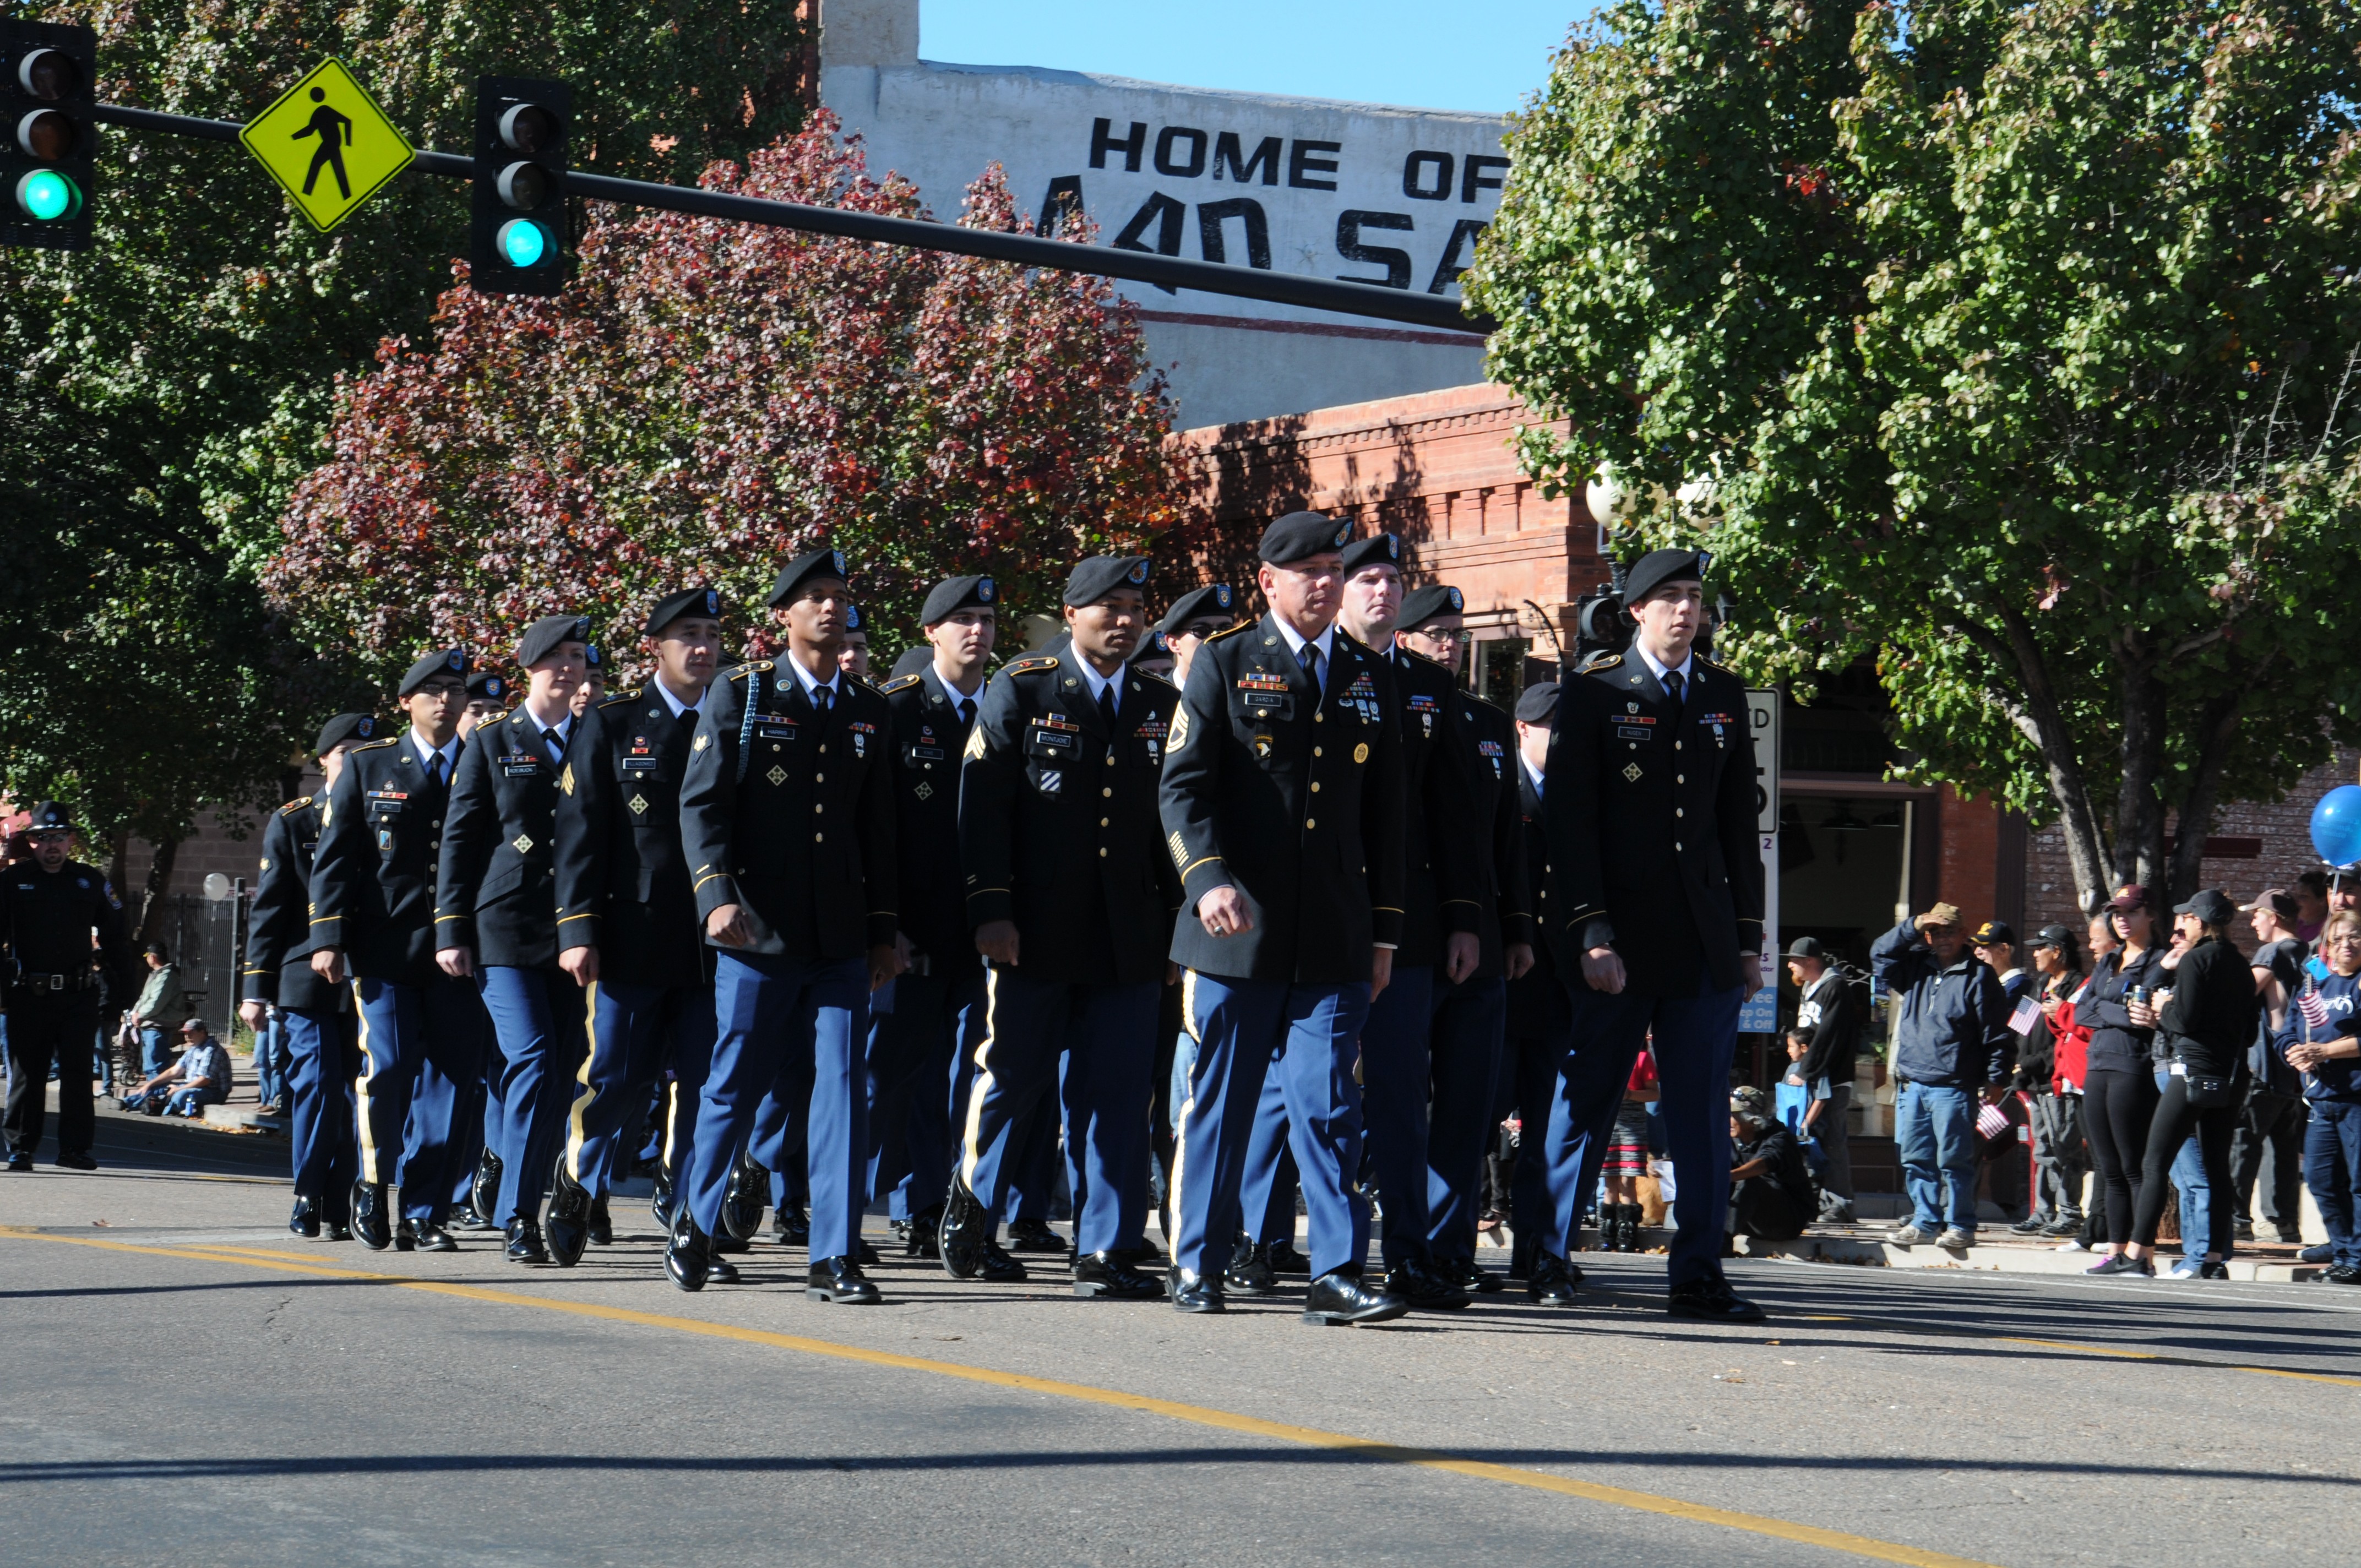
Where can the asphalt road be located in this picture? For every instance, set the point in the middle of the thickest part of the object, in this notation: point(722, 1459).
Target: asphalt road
point(182, 1381)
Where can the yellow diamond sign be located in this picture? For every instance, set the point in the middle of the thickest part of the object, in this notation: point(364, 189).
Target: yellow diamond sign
point(329, 144)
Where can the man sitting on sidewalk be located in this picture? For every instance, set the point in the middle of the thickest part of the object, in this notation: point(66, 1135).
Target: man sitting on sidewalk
point(1771, 1193)
point(200, 1078)
point(1953, 1043)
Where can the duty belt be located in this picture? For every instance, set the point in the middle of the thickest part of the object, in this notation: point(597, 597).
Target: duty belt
point(27, 981)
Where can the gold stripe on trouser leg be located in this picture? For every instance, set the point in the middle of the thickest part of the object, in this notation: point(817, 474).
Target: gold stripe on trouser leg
point(574, 1133)
point(361, 1088)
point(672, 1118)
point(1180, 1133)
point(970, 1154)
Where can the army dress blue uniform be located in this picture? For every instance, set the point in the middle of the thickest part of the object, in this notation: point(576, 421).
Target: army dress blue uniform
point(56, 993)
point(1540, 1015)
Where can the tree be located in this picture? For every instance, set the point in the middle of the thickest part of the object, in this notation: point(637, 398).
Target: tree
point(165, 390)
point(2015, 345)
point(709, 399)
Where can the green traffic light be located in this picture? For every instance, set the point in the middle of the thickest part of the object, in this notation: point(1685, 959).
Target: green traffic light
point(45, 195)
point(522, 243)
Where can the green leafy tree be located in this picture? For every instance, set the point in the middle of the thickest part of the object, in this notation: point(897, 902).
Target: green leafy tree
point(167, 389)
point(2012, 344)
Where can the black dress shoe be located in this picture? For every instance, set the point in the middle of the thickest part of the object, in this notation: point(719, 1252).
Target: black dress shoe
point(660, 1199)
point(1104, 1274)
point(75, 1160)
point(966, 1232)
point(1338, 1300)
point(1426, 1290)
point(406, 1236)
point(791, 1227)
point(1712, 1301)
point(1553, 1281)
point(747, 1194)
point(717, 1246)
point(719, 1270)
point(1250, 1272)
point(485, 1192)
point(1034, 1236)
point(433, 1237)
point(1192, 1292)
point(20, 1161)
point(1470, 1277)
point(840, 1279)
point(1284, 1259)
point(569, 1218)
point(471, 1219)
point(994, 1266)
point(686, 1262)
point(306, 1220)
point(524, 1245)
point(1146, 1257)
point(602, 1224)
point(369, 1220)
point(338, 1231)
point(922, 1233)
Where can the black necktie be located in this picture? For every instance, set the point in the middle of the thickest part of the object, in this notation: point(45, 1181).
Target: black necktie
point(820, 696)
point(1106, 707)
point(688, 716)
point(1311, 663)
point(959, 710)
point(435, 770)
point(1674, 683)
point(556, 746)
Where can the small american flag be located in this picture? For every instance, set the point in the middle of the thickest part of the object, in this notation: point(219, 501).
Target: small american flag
point(2027, 1014)
point(1992, 1121)
point(2308, 1002)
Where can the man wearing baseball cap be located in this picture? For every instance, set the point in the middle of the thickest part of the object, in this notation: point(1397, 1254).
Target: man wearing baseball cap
point(1951, 1047)
point(2275, 1111)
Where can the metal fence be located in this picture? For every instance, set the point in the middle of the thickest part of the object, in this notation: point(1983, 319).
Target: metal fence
point(205, 935)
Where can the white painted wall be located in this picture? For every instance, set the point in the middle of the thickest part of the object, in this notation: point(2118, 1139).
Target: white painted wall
point(1163, 165)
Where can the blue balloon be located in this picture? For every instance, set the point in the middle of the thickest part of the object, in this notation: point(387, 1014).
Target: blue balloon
point(2336, 825)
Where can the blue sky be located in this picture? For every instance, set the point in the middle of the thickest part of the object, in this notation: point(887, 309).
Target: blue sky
point(1483, 56)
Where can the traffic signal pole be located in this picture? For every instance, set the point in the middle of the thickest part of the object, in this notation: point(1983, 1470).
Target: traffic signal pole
point(1431, 310)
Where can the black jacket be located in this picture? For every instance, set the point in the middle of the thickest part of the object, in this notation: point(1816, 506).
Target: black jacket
point(496, 888)
point(799, 833)
point(47, 919)
point(1538, 1006)
point(1058, 823)
point(1484, 748)
point(2117, 1044)
point(373, 873)
point(622, 886)
point(1293, 796)
point(928, 740)
point(278, 968)
point(1650, 815)
point(1445, 841)
point(2210, 1021)
point(1833, 1015)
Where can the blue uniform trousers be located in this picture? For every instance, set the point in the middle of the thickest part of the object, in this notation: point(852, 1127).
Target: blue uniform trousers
point(418, 1046)
point(914, 1051)
point(1107, 1036)
point(541, 1020)
point(1465, 1050)
point(475, 1111)
point(1270, 1183)
point(1695, 1038)
point(1527, 1082)
point(1239, 1026)
point(636, 1031)
point(321, 1117)
point(790, 1030)
point(1395, 1075)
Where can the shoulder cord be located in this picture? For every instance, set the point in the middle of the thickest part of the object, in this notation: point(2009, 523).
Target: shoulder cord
point(746, 722)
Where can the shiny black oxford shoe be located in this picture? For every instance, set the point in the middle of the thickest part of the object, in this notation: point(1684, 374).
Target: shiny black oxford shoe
point(433, 1237)
point(743, 1199)
point(1713, 1301)
point(966, 1232)
point(1551, 1280)
point(484, 1193)
point(569, 1218)
point(686, 1262)
point(602, 1224)
point(1104, 1274)
point(1339, 1299)
point(405, 1236)
point(1034, 1236)
point(369, 1220)
point(1418, 1283)
point(306, 1220)
point(1248, 1272)
point(1192, 1292)
point(525, 1245)
point(839, 1279)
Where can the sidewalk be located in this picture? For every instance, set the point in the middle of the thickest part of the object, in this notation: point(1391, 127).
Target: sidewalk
point(1995, 1251)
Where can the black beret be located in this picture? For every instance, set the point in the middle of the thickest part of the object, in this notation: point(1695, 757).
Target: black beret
point(1213, 598)
point(687, 601)
point(952, 595)
point(49, 817)
point(816, 563)
point(1376, 550)
point(484, 684)
point(1301, 535)
point(1098, 576)
point(1423, 605)
point(442, 661)
point(543, 637)
point(1658, 567)
point(343, 727)
point(1153, 648)
point(1538, 703)
point(913, 659)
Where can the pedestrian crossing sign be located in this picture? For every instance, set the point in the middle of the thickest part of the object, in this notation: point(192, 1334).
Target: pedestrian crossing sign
point(328, 143)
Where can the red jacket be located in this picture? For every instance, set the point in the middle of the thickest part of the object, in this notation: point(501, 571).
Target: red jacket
point(2073, 1061)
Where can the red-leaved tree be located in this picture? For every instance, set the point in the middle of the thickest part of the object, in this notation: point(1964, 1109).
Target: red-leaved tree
point(706, 399)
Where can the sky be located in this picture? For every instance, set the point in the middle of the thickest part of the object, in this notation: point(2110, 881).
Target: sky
point(1480, 56)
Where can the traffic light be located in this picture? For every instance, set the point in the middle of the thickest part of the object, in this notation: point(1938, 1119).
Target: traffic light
point(49, 89)
point(518, 241)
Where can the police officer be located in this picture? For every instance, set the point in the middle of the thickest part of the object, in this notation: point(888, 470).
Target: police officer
point(1651, 817)
point(937, 1017)
point(1540, 1015)
point(627, 917)
point(1076, 920)
point(787, 821)
point(317, 1017)
point(496, 921)
point(55, 995)
point(372, 892)
point(1281, 803)
point(1470, 1014)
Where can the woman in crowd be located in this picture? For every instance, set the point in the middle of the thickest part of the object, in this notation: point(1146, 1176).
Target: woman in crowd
point(1627, 1159)
point(2054, 1094)
point(2119, 1100)
point(2326, 1050)
point(2073, 1030)
point(2208, 1020)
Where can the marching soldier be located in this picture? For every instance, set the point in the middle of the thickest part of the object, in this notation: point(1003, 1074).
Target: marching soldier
point(56, 995)
point(372, 891)
point(937, 1004)
point(1075, 920)
point(487, 697)
point(593, 689)
point(318, 1017)
point(475, 1169)
point(1196, 616)
point(1282, 808)
point(496, 921)
point(1540, 1019)
point(627, 919)
point(1650, 808)
point(787, 821)
point(1470, 1014)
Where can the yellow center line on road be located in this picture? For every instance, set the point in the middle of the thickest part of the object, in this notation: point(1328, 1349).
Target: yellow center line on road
point(1198, 1415)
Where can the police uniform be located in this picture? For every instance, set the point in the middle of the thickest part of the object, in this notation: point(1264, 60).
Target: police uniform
point(1539, 1018)
point(788, 813)
point(1287, 789)
point(373, 892)
point(55, 993)
point(496, 896)
point(317, 1017)
point(1059, 835)
point(623, 888)
point(1651, 817)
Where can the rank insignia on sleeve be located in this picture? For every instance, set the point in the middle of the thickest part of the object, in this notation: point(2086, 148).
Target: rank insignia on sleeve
point(1179, 851)
point(975, 745)
point(565, 779)
point(1179, 730)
